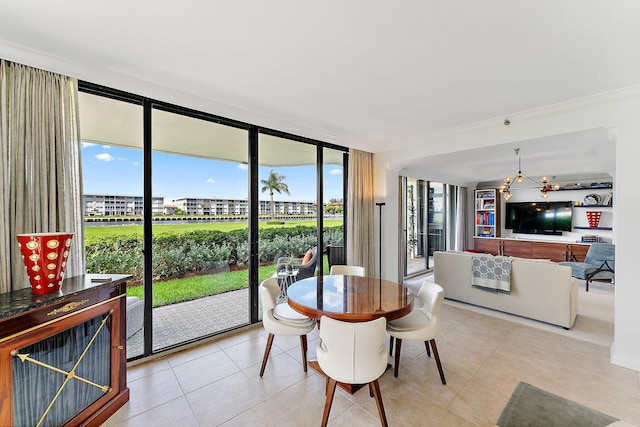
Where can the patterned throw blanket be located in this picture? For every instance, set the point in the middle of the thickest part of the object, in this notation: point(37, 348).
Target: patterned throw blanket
point(491, 272)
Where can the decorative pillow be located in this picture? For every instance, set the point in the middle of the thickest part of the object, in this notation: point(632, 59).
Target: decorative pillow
point(307, 257)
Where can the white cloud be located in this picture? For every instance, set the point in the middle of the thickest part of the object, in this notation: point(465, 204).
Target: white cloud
point(335, 172)
point(135, 163)
point(87, 144)
point(105, 157)
point(106, 147)
point(210, 181)
point(243, 166)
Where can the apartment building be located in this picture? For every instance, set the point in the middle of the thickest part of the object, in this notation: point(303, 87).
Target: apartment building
point(118, 205)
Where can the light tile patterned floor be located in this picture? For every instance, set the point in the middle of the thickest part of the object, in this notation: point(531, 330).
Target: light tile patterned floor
point(483, 356)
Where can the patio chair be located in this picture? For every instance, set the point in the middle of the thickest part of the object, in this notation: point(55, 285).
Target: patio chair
point(307, 267)
point(599, 263)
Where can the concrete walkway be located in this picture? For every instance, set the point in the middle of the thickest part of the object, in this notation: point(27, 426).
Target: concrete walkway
point(177, 323)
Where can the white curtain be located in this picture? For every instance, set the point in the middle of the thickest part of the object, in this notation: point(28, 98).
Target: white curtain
point(360, 217)
point(40, 167)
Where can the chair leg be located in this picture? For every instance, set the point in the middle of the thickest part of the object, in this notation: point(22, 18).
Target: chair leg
point(437, 357)
point(426, 345)
point(303, 347)
point(378, 396)
point(396, 365)
point(391, 345)
point(328, 401)
point(266, 353)
point(370, 389)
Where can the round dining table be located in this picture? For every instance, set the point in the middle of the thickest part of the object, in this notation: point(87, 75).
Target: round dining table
point(350, 298)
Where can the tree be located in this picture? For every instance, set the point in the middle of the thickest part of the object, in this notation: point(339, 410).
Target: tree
point(274, 182)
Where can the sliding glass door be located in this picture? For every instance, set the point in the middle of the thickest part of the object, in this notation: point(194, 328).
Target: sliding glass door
point(198, 209)
point(423, 223)
point(200, 240)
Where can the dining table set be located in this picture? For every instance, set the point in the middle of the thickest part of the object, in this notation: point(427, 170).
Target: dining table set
point(349, 299)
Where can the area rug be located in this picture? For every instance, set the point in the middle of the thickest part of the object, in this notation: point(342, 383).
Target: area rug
point(530, 406)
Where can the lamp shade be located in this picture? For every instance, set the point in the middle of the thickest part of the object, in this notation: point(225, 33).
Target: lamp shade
point(45, 257)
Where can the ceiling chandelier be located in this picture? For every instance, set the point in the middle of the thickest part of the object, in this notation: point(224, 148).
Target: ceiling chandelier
point(505, 188)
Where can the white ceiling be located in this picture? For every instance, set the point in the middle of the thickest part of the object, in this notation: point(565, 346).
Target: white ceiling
point(368, 74)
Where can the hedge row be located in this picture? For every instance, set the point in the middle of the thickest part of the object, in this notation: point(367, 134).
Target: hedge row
point(196, 252)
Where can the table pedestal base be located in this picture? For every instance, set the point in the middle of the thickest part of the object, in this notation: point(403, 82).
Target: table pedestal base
point(349, 388)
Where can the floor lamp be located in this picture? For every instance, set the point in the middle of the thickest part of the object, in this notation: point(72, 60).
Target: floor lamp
point(380, 205)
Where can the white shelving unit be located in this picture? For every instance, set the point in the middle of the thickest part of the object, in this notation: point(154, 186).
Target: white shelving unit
point(487, 213)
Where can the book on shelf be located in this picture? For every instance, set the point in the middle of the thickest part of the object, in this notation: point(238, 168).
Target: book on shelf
point(608, 199)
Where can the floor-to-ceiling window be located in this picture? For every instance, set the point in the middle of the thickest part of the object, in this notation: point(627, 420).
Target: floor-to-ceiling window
point(423, 223)
point(288, 207)
point(334, 228)
point(176, 195)
point(112, 172)
point(199, 170)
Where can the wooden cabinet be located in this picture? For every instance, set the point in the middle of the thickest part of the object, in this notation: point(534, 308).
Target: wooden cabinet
point(488, 246)
point(554, 251)
point(63, 355)
point(517, 248)
point(487, 213)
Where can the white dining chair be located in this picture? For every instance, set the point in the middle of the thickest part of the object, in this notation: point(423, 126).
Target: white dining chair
point(352, 353)
point(281, 319)
point(347, 270)
point(422, 324)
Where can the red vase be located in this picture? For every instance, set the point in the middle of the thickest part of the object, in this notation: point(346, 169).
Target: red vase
point(594, 218)
point(45, 257)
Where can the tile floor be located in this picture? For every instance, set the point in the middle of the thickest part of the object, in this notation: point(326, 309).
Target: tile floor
point(484, 358)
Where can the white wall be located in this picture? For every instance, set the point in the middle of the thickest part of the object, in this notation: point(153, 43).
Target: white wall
point(618, 111)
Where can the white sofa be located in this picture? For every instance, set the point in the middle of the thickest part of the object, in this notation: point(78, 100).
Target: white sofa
point(540, 290)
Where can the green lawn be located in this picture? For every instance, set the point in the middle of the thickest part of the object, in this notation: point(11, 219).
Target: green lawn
point(93, 233)
point(190, 288)
point(185, 289)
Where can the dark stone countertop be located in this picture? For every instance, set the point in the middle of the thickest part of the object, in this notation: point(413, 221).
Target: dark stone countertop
point(22, 300)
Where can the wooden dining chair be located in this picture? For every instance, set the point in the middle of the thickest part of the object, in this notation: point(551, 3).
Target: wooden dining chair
point(352, 353)
point(280, 319)
point(422, 324)
point(347, 270)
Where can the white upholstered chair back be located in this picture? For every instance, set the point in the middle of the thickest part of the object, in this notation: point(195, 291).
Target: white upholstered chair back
point(347, 270)
point(352, 352)
point(432, 297)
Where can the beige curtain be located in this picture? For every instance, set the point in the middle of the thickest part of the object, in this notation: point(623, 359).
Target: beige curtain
point(360, 216)
point(40, 173)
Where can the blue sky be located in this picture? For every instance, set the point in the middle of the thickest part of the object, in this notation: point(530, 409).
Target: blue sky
point(116, 170)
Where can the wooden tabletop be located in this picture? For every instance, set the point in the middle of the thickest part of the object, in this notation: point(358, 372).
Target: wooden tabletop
point(350, 298)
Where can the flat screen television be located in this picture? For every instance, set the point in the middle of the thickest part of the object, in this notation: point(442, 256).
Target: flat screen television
point(550, 218)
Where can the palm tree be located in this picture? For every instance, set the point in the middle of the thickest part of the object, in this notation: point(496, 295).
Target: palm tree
point(275, 182)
